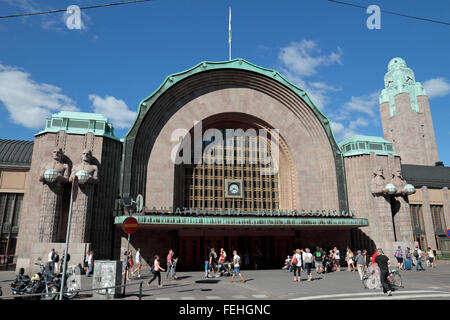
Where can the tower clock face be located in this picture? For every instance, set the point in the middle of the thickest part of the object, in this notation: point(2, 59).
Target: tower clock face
point(233, 188)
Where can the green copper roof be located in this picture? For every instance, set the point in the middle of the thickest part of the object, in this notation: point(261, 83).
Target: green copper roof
point(79, 123)
point(238, 63)
point(400, 79)
point(358, 144)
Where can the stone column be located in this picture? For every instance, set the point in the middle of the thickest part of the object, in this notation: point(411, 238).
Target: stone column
point(446, 197)
point(427, 219)
point(52, 195)
point(82, 214)
point(403, 221)
point(381, 224)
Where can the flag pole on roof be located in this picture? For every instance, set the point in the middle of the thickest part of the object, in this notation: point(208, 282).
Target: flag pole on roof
point(229, 36)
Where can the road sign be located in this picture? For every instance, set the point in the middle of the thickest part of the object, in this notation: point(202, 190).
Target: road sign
point(75, 189)
point(448, 233)
point(130, 225)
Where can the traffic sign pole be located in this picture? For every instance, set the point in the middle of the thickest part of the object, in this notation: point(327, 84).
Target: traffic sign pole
point(125, 279)
point(129, 226)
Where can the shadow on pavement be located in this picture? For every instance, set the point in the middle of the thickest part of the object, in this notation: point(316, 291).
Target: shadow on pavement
point(184, 277)
point(207, 281)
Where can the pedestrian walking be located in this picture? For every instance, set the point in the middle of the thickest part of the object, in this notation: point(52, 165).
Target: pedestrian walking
point(432, 258)
point(337, 258)
point(297, 264)
point(90, 263)
point(213, 261)
point(236, 264)
point(308, 261)
point(383, 263)
point(156, 271)
point(56, 263)
point(366, 258)
point(85, 264)
point(318, 260)
point(138, 262)
point(169, 263)
point(350, 262)
point(51, 260)
point(63, 262)
point(126, 265)
point(399, 256)
point(206, 268)
point(360, 264)
point(418, 255)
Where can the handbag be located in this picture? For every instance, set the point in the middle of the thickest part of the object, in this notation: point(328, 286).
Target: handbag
point(294, 260)
point(153, 269)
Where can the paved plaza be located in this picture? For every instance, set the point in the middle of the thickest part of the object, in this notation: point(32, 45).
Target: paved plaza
point(278, 285)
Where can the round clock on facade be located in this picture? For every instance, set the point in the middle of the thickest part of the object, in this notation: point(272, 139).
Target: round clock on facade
point(233, 188)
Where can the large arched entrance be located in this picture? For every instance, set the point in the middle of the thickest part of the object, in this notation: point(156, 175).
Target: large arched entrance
point(306, 198)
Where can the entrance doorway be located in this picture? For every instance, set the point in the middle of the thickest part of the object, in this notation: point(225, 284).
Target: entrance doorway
point(256, 252)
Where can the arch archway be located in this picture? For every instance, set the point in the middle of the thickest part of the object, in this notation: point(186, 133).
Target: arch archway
point(233, 87)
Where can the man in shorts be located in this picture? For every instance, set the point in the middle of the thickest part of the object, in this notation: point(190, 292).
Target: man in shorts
point(318, 260)
point(399, 256)
point(337, 259)
point(236, 264)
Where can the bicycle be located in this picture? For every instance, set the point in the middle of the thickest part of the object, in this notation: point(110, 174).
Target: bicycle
point(371, 278)
point(395, 279)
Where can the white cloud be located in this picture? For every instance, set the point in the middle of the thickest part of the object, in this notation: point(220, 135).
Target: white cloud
point(115, 110)
point(29, 103)
point(367, 104)
point(437, 87)
point(341, 132)
point(354, 115)
point(360, 122)
point(303, 58)
point(300, 60)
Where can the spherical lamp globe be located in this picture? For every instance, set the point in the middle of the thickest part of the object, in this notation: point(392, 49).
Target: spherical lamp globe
point(50, 175)
point(390, 188)
point(409, 188)
point(83, 176)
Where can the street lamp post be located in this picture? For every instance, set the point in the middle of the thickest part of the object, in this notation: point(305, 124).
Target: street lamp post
point(73, 197)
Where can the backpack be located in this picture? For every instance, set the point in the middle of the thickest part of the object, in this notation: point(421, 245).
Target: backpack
point(416, 253)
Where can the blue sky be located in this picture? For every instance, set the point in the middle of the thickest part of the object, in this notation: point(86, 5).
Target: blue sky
point(123, 53)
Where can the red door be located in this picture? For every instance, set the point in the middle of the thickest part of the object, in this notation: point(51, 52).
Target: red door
point(189, 253)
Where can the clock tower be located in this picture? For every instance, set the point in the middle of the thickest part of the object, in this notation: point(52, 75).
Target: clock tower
point(406, 116)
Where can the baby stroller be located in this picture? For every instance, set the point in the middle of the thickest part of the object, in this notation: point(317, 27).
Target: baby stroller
point(225, 269)
point(287, 264)
point(328, 265)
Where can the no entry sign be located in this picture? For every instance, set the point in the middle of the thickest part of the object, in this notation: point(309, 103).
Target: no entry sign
point(130, 225)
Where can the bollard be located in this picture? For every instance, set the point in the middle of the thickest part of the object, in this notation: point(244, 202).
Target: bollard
point(140, 291)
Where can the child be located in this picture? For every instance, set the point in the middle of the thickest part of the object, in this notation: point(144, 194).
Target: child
point(206, 268)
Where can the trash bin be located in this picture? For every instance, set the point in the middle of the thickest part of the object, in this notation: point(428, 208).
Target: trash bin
point(107, 273)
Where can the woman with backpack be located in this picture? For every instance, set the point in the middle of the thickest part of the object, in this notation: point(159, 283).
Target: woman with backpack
point(297, 264)
point(156, 271)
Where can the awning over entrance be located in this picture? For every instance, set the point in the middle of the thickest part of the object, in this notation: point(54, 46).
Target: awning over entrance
point(245, 221)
